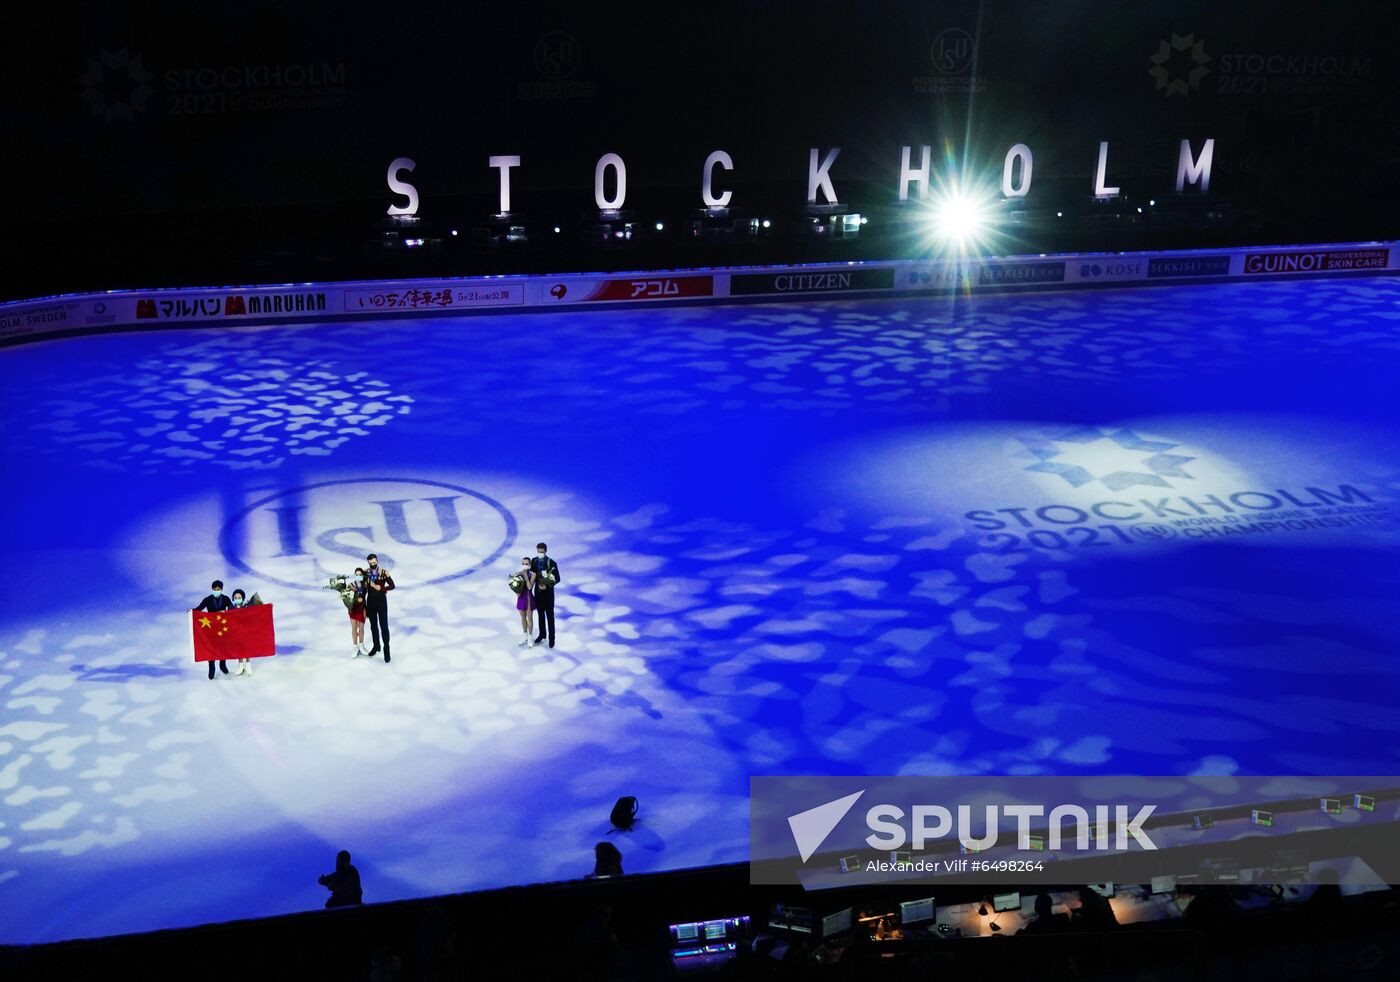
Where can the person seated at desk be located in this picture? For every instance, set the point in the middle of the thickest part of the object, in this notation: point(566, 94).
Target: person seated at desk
point(1046, 920)
point(1212, 906)
point(1094, 912)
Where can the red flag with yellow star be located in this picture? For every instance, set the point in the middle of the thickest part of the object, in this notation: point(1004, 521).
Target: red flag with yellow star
point(240, 632)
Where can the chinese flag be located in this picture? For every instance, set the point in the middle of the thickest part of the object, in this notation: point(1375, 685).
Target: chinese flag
point(244, 632)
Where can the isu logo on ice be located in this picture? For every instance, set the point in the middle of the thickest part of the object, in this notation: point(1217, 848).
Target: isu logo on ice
point(424, 531)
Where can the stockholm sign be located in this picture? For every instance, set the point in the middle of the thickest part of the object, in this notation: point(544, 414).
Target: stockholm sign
point(1018, 166)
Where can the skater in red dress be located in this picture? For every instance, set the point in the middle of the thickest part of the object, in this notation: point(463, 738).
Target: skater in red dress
point(357, 613)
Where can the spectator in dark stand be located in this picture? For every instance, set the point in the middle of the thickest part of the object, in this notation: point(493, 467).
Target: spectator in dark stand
point(344, 883)
point(607, 860)
point(595, 946)
point(1046, 920)
point(435, 948)
point(1213, 906)
point(1327, 895)
point(1094, 912)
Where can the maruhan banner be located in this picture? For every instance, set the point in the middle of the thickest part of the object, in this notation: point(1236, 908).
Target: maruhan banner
point(843, 831)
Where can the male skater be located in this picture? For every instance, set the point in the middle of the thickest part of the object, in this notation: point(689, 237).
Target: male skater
point(377, 603)
point(546, 575)
point(216, 602)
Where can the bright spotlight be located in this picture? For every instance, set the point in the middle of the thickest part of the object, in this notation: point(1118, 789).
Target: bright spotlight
point(660, 227)
point(958, 219)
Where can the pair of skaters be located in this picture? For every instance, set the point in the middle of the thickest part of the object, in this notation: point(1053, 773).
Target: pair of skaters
point(370, 585)
point(216, 602)
point(534, 586)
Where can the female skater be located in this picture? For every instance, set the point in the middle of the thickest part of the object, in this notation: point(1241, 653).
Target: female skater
point(357, 613)
point(245, 665)
point(523, 583)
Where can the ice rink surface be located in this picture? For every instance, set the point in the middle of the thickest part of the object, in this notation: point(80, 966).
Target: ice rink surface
point(1141, 531)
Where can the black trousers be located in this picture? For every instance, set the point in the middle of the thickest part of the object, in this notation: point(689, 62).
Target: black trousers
point(378, 617)
point(544, 613)
point(223, 666)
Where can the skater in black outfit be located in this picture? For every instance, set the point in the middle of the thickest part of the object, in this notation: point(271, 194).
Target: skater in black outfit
point(216, 602)
point(379, 583)
point(546, 576)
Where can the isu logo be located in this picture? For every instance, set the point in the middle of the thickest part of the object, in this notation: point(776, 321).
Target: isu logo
point(952, 51)
point(426, 531)
point(557, 55)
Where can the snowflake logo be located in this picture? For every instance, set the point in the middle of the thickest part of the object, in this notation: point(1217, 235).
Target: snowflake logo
point(1195, 52)
point(115, 85)
point(1117, 460)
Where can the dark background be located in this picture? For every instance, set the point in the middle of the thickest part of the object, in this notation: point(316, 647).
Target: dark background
point(154, 145)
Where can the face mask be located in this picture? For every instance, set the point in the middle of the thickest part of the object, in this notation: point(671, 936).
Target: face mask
point(541, 555)
point(218, 593)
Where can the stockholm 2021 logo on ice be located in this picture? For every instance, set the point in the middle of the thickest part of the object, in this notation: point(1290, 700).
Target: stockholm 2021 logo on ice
point(427, 531)
point(1104, 486)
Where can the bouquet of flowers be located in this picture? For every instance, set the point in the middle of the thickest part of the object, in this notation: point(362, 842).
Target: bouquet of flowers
point(517, 583)
point(341, 584)
point(547, 578)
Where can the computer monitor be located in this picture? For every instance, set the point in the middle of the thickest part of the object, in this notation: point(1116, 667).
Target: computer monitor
point(1036, 843)
point(914, 911)
point(851, 863)
point(1202, 822)
point(722, 936)
point(1259, 816)
point(1164, 884)
point(833, 924)
point(1330, 806)
point(1364, 803)
point(1006, 901)
point(902, 857)
point(788, 918)
point(1102, 889)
